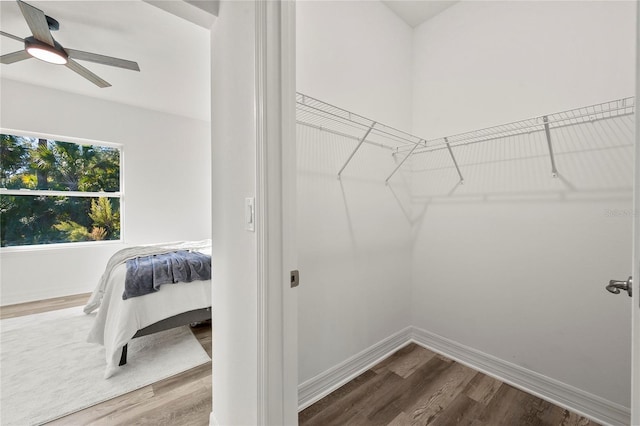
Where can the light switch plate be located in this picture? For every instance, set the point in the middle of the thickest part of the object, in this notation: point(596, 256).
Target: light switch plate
point(250, 214)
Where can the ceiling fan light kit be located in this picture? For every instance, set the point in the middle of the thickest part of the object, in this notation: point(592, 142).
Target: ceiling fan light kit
point(51, 54)
point(41, 45)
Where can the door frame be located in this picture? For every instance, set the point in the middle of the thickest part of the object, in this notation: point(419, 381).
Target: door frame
point(276, 215)
point(635, 262)
point(276, 212)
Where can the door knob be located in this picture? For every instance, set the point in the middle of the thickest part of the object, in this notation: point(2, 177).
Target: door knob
point(615, 286)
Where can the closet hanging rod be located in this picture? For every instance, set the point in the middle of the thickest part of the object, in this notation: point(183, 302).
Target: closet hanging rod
point(440, 146)
point(344, 135)
point(323, 116)
point(319, 115)
point(325, 107)
point(603, 111)
point(316, 112)
point(382, 131)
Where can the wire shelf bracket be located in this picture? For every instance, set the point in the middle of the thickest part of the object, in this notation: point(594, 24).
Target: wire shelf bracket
point(455, 163)
point(406, 157)
point(325, 117)
point(547, 132)
point(356, 148)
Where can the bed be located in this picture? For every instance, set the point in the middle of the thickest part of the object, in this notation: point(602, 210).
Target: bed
point(118, 321)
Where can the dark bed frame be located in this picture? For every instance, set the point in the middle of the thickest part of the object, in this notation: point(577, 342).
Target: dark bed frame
point(185, 318)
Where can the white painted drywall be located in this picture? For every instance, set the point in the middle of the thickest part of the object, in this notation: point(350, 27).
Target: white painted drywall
point(353, 234)
point(479, 64)
point(166, 178)
point(234, 249)
point(514, 263)
point(356, 55)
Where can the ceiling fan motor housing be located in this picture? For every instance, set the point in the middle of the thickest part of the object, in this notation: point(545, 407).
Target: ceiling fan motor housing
point(52, 23)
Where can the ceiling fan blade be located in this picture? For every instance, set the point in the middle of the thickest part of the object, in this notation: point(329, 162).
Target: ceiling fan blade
point(10, 58)
point(16, 38)
point(74, 66)
point(101, 59)
point(37, 21)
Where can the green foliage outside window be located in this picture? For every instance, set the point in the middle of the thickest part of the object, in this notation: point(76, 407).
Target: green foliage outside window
point(42, 165)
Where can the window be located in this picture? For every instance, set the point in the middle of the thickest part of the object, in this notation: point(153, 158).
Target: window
point(54, 191)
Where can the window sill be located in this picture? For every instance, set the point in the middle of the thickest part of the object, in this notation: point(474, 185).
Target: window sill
point(58, 246)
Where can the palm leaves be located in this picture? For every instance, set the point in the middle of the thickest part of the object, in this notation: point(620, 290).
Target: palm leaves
point(41, 164)
point(106, 223)
point(13, 156)
point(73, 167)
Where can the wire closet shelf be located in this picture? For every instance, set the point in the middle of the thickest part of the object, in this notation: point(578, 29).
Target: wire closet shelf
point(320, 115)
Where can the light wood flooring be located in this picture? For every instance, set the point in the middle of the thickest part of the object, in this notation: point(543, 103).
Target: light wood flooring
point(184, 399)
point(415, 386)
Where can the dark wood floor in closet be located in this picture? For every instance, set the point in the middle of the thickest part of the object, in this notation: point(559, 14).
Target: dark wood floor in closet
point(415, 386)
point(181, 400)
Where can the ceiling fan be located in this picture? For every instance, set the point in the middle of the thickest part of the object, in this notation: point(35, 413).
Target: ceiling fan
point(41, 45)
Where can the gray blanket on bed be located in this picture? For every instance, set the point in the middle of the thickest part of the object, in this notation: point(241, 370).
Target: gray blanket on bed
point(146, 274)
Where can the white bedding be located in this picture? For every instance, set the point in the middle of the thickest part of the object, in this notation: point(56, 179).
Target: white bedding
point(118, 320)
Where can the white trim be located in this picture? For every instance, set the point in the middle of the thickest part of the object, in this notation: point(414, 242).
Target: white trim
point(271, 280)
point(59, 246)
point(275, 384)
point(54, 193)
point(40, 294)
point(261, 213)
point(212, 420)
point(289, 211)
point(59, 138)
point(324, 383)
point(554, 391)
point(635, 256)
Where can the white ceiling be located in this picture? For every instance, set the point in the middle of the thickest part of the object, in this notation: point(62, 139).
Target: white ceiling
point(173, 54)
point(415, 13)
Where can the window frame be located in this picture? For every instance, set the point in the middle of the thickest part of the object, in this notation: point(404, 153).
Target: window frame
point(74, 194)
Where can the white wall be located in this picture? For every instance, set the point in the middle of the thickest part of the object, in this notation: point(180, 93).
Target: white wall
point(356, 55)
point(353, 236)
point(234, 249)
point(166, 176)
point(485, 63)
point(514, 263)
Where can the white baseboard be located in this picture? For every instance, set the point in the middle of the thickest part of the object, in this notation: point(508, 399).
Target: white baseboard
point(323, 384)
point(212, 420)
point(11, 297)
point(554, 391)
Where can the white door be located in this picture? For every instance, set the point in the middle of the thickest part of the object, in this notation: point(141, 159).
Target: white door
point(635, 316)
